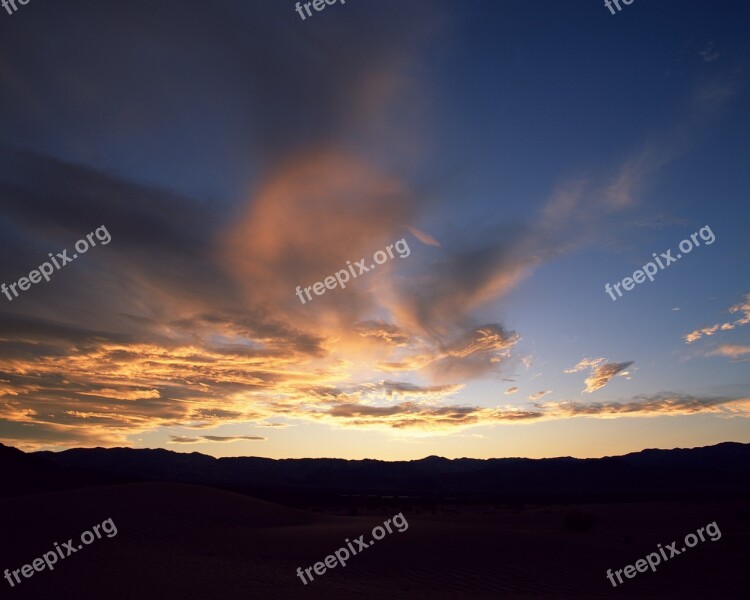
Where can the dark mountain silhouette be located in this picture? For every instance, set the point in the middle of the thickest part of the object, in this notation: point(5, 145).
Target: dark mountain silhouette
point(28, 474)
point(515, 528)
point(722, 470)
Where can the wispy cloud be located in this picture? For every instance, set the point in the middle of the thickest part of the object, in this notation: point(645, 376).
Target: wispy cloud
point(179, 439)
point(427, 418)
point(586, 363)
point(602, 372)
point(659, 404)
point(742, 307)
point(424, 237)
point(412, 415)
point(395, 387)
point(730, 351)
point(709, 54)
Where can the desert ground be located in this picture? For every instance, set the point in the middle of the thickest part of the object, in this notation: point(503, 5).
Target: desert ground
point(185, 541)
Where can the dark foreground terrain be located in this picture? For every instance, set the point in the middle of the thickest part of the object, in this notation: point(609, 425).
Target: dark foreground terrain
point(184, 541)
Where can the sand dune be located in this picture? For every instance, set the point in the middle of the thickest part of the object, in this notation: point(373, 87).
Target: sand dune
point(183, 541)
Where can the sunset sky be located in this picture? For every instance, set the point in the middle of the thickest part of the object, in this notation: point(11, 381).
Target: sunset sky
point(528, 153)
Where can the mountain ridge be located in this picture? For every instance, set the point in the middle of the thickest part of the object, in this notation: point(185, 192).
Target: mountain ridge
point(718, 470)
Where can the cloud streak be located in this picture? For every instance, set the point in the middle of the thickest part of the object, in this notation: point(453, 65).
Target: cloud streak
point(601, 372)
point(743, 308)
point(179, 439)
point(731, 351)
point(659, 404)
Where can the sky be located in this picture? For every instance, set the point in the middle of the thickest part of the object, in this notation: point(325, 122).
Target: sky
point(501, 161)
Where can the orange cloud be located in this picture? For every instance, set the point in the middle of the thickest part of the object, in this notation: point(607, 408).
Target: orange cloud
point(731, 351)
point(602, 372)
point(742, 307)
point(424, 237)
point(303, 224)
point(656, 405)
point(180, 439)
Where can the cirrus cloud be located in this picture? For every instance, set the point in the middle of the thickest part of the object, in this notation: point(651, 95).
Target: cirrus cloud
point(742, 307)
point(601, 374)
point(179, 439)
